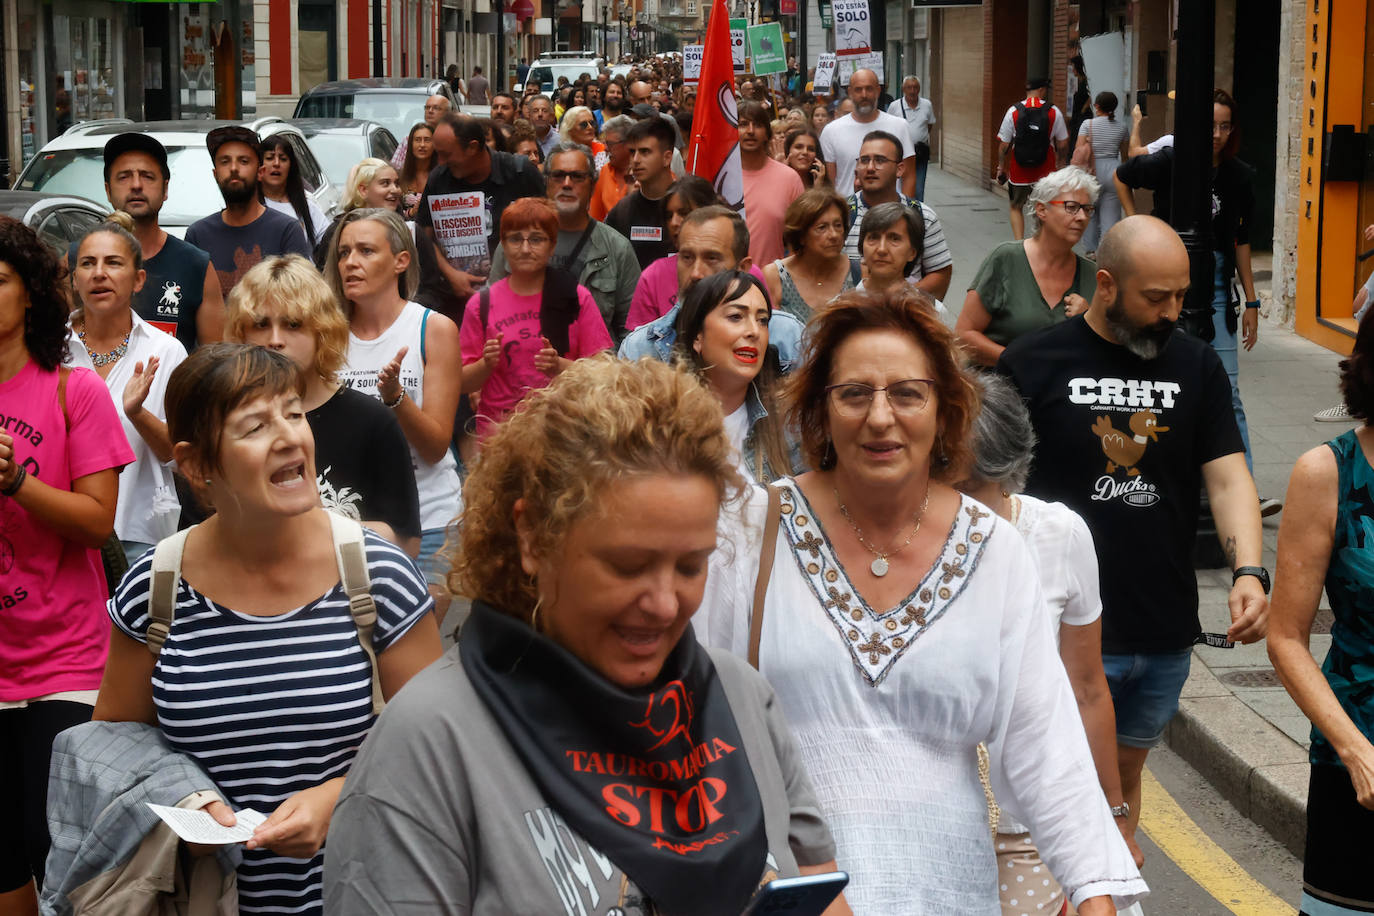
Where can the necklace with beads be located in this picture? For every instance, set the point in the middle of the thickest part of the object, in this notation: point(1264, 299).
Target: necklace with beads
point(880, 566)
point(104, 359)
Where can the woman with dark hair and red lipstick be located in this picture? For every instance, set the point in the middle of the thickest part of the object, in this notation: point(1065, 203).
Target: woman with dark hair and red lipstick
point(722, 333)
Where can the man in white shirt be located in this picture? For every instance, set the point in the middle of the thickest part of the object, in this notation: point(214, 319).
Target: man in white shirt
point(842, 137)
point(918, 114)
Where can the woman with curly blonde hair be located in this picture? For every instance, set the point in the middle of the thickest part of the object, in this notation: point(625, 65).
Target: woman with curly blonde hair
point(362, 461)
point(902, 625)
point(589, 523)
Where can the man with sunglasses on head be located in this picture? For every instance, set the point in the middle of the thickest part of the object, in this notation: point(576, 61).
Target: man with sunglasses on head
point(878, 170)
point(600, 258)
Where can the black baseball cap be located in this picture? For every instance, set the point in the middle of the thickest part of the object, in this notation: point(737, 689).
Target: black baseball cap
point(232, 134)
point(135, 143)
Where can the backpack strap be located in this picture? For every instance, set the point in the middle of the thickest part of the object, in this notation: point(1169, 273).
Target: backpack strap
point(162, 593)
point(63, 373)
point(357, 585)
point(770, 541)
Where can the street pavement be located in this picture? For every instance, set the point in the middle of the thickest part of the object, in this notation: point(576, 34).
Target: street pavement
point(1237, 728)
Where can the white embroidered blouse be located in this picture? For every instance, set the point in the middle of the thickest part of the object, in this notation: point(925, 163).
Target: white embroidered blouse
point(889, 705)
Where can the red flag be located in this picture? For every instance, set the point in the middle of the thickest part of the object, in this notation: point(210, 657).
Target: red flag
point(714, 151)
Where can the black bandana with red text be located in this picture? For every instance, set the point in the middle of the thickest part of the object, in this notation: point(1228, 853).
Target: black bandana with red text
point(656, 779)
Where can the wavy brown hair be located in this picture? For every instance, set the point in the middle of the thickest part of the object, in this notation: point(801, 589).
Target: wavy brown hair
point(903, 310)
point(599, 421)
point(45, 320)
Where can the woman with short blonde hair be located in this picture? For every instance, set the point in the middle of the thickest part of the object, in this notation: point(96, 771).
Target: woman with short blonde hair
point(363, 467)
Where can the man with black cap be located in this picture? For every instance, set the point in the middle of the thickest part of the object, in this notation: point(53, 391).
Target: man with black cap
point(1036, 136)
point(182, 294)
point(245, 231)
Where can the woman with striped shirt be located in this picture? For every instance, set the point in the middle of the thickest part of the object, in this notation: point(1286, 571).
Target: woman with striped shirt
point(262, 679)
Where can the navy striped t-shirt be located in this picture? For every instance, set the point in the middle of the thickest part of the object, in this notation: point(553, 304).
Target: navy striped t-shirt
point(269, 706)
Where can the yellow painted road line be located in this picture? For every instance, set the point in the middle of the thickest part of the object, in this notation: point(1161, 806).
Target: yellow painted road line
point(1169, 828)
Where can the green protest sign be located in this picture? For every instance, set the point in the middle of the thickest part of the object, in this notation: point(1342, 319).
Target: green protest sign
point(766, 50)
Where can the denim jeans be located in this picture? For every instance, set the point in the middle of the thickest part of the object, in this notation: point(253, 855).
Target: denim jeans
point(1225, 344)
point(921, 180)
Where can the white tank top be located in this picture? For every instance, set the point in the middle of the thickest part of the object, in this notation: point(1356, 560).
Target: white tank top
point(441, 497)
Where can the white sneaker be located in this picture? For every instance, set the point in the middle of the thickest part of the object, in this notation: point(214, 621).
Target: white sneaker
point(1337, 414)
point(1270, 506)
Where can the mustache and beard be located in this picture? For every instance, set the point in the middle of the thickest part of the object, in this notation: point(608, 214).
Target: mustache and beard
point(238, 194)
point(1147, 341)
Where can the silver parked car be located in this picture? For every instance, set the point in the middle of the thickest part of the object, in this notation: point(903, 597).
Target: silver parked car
point(59, 219)
point(341, 143)
point(74, 164)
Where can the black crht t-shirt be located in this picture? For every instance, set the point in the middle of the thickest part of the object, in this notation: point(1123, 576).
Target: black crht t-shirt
point(1122, 441)
point(362, 462)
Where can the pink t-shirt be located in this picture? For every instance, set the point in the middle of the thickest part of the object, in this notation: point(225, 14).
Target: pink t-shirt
point(54, 634)
point(516, 320)
point(656, 292)
point(767, 195)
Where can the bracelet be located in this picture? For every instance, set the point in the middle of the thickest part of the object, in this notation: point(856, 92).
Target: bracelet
point(18, 481)
point(1253, 305)
point(396, 403)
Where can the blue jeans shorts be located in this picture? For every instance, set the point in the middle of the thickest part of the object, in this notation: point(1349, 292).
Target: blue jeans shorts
point(434, 566)
point(1145, 691)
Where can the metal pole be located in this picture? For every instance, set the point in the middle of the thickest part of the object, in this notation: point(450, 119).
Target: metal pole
point(502, 80)
point(1191, 202)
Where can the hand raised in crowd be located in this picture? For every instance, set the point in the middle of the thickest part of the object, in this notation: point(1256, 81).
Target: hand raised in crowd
point(491, 351)
point(1074, 304)
point(389, 378)
point(139, 384)
point(465, 284)
point(1249, 328)
point(547, 359)
point(297, 828)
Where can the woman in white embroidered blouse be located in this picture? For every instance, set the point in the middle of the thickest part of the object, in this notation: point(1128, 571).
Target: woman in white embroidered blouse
point(1003, 445)
point(903, 624)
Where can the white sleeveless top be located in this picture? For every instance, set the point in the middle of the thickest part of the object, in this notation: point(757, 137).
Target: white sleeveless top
point(441, 497)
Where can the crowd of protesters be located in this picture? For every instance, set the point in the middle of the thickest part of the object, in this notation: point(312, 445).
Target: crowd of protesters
point(537, 370)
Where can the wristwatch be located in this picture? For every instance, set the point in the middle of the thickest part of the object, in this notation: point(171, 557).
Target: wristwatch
point(1121, 810)
point(1259, 572)
point(1253, 305)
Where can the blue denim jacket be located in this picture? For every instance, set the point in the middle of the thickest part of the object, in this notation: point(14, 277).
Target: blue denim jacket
point(755, 460)
point(656, 339)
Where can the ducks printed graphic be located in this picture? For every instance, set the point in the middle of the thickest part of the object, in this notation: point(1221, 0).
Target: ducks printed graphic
point(1123, 450)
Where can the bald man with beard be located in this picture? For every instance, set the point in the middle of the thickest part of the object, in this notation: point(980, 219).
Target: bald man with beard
point(1133, 418)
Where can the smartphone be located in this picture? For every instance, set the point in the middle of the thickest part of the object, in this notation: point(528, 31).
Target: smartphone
point(1142, 99)
point(808, 895)
point(1002, 179)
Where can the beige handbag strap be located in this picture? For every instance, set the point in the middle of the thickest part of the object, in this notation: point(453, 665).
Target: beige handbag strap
point(162, 593)
point(770, 541)
point(357, 584)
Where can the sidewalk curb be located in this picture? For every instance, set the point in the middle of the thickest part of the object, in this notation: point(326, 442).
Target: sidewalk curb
point(1252, 764)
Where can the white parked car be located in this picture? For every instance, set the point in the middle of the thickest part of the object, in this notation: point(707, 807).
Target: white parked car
point(74, 164)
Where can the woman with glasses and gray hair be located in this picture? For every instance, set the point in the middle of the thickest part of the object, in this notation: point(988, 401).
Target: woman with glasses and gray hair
point(902, 624)
point(1027, 285)
point(1062, 548)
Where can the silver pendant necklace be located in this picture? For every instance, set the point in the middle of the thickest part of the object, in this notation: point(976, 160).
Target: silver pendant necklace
point(880, 566)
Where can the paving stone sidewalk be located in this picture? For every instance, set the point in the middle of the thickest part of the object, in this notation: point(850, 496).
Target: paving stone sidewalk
point(1236, 725)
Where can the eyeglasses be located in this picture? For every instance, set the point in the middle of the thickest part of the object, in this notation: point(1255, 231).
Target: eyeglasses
point(1072, 207)
point(558, 176)
point(879, 161)
point(584, 125)
point(520, 241)
point(1221, 127)
point(855, 399)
